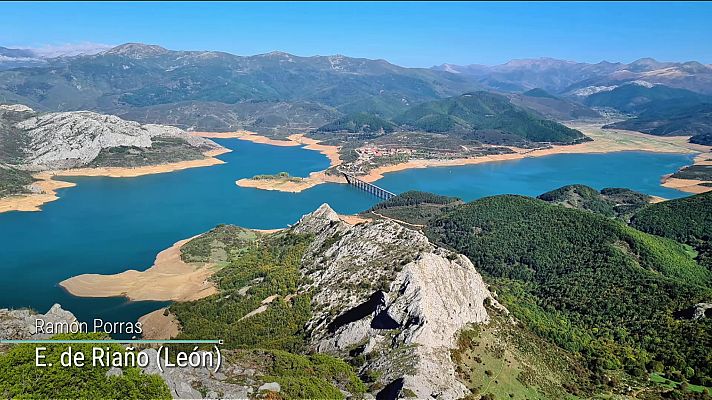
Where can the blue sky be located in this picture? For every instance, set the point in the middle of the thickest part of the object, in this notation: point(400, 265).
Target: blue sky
point(411, 34)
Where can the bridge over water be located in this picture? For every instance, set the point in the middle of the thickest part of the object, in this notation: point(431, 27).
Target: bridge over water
point(368, 187)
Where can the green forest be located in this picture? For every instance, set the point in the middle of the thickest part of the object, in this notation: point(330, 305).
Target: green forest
point(593, 285)
point(484, 111)
point(20, 378)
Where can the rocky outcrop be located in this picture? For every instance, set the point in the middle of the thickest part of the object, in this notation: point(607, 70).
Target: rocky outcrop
point(702, 310)
point(696, 312)
point(74, 139)
point(385, 292)
point(185, 382)
point(22, 324)
point(15, 108)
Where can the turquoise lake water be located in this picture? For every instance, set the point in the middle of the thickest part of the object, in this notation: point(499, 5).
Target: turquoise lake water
point(108, 225)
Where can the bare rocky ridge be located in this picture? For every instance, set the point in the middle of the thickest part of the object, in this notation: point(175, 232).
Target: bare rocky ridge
point(74, 139)
point(396, 297)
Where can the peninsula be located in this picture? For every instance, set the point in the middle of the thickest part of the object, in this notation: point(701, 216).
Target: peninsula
point(37, 147)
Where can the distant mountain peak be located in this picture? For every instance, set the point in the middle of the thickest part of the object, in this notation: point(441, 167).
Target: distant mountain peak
point(277, 54)
point(136, 50)
point(452, 68)
point(647, 64)
point(646, 60)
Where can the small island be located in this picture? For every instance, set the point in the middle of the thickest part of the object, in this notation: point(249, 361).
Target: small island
point(284, 182)
point(282, 176)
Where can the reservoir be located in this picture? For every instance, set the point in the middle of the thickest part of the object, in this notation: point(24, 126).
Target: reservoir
point(109, 225)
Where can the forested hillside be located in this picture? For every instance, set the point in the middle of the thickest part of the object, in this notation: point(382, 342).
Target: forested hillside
point(592, 285)
point(359, 123)
point(610, 202)
point(638, 98)
point(687, 220)
point(20, 378)
point(674, 120)
point(484, 114)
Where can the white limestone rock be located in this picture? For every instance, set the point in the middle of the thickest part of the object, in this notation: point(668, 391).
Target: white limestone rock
point(15, 108)
point(396, 296)
point(182, 381)
point(74, 139)
point(22, 324)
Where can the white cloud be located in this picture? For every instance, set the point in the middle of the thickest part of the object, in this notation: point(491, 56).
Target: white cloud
point(69, 49)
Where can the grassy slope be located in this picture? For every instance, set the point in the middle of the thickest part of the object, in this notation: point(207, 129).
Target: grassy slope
point(509, 361)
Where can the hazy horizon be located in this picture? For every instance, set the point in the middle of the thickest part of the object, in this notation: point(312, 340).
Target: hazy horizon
point(411, 35)
point(88, 48)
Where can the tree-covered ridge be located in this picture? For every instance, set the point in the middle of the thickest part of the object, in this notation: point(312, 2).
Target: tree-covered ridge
point(414, 208)
point(636, 98)
point(687, 220)
point(14, 181)
point(696, 172)
point(360, 122)
point(267, 267)
point(538, 92)
point(674, 119)
point(21, 378)
point(610, 202)
point(591, 284)
point(482, 112)
point(414, 197)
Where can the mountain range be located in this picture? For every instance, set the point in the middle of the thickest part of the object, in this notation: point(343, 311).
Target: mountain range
point(572, 78)
point(221, 91)
point(278, 93)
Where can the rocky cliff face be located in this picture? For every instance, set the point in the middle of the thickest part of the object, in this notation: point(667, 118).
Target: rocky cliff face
point(74, 139)
point(385, 292)
point(22, 324)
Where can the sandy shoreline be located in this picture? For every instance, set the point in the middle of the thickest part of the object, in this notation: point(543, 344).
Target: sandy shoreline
point(169, 279)
point(290, 186)
point(120, 172)
point(46, 191)
point(331, 152)
point(245, 135)
point(287, 185)
point(46, 185)
point(604, 141)
point(693, 186)
point(297, 139)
